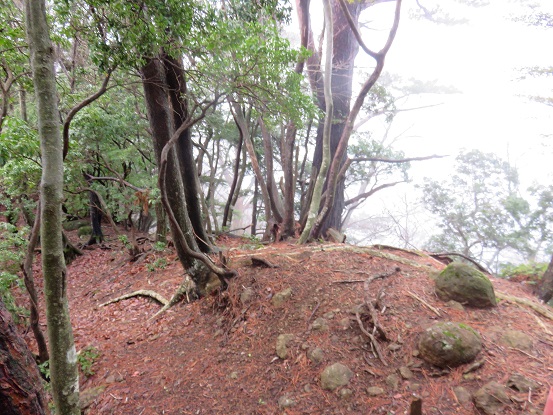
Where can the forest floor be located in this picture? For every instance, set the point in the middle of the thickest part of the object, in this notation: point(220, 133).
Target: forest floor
point(218, 355)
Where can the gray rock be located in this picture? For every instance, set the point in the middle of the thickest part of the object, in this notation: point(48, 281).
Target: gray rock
point(320, 324)
point(522, 384)
point(281, 297)
point(517, 340)
point(392, 381)
point(375, 391)
point(449, 344)
point(246, 296)
point(491, 398)
point(335, 375)
point(345, 323)
point(462, 394)
point(466, 285)
point(345, 393)
point(316, 355)
point(282, 344)
point(455, 305)
point(286, 402)
point(405, 373)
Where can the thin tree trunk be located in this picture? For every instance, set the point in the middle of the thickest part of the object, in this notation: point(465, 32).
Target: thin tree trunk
point(545, 287)
point(63, 356)
point(233, 186)
point(22, 392)
point(30, 285)
point(321, 177)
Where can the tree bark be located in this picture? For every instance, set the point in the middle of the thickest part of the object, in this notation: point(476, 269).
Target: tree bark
point(63, 356)
point(21, 391)
point(30, 285)
point(545, 287)
point(176, 84)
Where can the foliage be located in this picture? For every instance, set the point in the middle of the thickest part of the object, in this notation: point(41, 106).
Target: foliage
point(482, 212)
point(534, 270)
point(13, 242)
point(86, 359)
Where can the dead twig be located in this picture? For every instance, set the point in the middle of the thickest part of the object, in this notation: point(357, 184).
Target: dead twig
point(372, 339)
point(416, 297)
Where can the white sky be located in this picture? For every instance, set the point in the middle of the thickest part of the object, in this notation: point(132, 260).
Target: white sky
point(481, 59)
point(492, 113)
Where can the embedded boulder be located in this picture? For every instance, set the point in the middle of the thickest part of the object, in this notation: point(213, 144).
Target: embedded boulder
point(466, 285)
point(335, 375)
point(491, 399)
point(449, 344)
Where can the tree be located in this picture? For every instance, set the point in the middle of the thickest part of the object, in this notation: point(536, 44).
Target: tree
point(22, 392)
point(345, 46)
point(63, 356)
point(482, 212)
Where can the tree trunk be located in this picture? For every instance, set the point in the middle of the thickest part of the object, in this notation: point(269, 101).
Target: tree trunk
point(161, 124)
point(21, 391)
point(63, 356)
point(233, 187)
point(545, 287)
point(30, 285)
point(176, 84)
point(95, 219)
point(325, 161)
point(161, 226)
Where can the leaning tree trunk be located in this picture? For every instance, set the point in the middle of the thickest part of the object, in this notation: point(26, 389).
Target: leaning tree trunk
point(161, 124)
point(21, 390)
point(545, 287)
point(176, 84)
point(63, 356)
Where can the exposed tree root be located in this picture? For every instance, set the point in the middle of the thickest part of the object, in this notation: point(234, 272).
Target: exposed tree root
point(144, 293)
point(184, 289)
point(541, 309)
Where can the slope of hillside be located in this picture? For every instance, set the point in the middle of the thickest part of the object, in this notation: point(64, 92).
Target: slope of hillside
point(219, 355)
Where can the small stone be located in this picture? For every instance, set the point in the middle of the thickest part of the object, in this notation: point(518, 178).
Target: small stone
point(335, 375)
point(345, 393)
point(316, 355)
point(307, 387)
point(320, 324)
point(286, 402)
point(329, 315)
point(345, 323)
point(462, 394)
point(392, 381)
point(282, 343)
point(281, 297)
point(455, 305)
point(375, 391)
point(405, 373)
point(234, 375)
point(415, 353)
point(394, 347)
point(247, 295)
point(413, 386)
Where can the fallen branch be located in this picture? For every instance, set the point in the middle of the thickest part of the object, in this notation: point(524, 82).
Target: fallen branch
point(372, 339)
point(144, 293)
point(444, 255)
point(416, 297)
point(543, 310)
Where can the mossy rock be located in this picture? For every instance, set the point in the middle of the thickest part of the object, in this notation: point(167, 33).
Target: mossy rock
point(466, 285)
point(72, 225)
point(84, 230)
point(449, 344)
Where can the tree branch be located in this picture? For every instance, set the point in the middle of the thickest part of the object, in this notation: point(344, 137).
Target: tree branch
point(79, 107)
point(397, 161)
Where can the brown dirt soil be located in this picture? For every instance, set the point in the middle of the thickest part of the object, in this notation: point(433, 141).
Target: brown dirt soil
point(217, 355)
